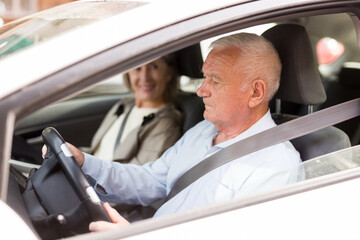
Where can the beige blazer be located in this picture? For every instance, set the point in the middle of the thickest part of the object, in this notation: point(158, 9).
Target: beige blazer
point(146, 143)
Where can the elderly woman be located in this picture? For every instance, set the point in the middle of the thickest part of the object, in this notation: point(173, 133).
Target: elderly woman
point(139, 129)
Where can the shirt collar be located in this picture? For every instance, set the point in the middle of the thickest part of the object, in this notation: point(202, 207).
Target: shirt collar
point(262, 124)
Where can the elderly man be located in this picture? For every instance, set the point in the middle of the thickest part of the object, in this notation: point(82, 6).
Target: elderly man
point(242, 74)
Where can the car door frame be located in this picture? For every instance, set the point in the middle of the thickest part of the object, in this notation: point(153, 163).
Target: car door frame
point(174, 37)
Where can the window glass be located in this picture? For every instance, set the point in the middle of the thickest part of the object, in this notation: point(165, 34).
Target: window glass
point(324, 165)
point(329, 50)
point(318, 167)
point(115, 84)
point(330, 55)
point(332, 163)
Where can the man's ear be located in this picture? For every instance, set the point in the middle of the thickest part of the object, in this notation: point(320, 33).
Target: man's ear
point(259, 89)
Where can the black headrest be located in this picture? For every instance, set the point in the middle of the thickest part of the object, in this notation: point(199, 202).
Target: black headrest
point(191, 106)
point(300, 79)
point(190, 61)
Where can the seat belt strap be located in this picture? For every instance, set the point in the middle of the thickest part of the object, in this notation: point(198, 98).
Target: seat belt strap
point(283, 132)
point(117, 142)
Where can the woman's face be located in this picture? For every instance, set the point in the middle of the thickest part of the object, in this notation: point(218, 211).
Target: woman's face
point(149, 83)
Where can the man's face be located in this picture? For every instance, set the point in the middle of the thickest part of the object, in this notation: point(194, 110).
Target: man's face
point(223, 93)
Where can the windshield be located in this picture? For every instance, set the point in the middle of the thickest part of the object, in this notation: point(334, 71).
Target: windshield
point(42, 26)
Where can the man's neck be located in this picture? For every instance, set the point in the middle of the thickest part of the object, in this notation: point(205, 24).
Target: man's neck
point(228, 132)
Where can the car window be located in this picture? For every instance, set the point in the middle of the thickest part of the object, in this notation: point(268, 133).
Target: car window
point(112, 85)
point(332, 163)
point(331, 55)
point(115, 85)
point(259, 29)
point(322, 166)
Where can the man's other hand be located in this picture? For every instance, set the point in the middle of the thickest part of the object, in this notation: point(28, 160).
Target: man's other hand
point(116, 218)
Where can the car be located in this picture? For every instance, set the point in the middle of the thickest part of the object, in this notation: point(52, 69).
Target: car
point(63, 68)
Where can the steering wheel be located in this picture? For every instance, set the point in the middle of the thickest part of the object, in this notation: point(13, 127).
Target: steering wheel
point(74, 174)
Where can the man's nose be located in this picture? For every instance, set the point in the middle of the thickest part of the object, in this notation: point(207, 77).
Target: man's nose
point(203, 90)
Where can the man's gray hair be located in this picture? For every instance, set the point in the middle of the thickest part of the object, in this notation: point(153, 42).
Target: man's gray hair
point(261, 57)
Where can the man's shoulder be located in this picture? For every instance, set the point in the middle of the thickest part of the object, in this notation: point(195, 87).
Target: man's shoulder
point(283, 154)
point(278, 156)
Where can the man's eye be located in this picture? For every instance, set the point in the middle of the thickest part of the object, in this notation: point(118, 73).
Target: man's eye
point(214, 82)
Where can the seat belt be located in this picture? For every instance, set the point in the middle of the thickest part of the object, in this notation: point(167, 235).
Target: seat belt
point(283, 132)
point(117, 142)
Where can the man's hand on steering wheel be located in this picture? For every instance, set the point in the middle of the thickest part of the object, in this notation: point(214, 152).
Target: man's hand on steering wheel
point(116, 218)
point(78, 155)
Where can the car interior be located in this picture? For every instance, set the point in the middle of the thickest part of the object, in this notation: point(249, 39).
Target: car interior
point(302, 90)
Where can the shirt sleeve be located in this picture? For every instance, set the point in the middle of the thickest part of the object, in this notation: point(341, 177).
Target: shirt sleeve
point(144, 184)
point(127, 183)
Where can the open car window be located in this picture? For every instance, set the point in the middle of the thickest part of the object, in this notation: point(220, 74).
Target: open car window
point(115, 84)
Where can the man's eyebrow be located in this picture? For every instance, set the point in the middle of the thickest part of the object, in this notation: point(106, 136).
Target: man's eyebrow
point(214, 75)
point(211, 74)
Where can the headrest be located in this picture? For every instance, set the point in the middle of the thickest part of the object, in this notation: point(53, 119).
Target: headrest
point(190, 61)
point(300, 79)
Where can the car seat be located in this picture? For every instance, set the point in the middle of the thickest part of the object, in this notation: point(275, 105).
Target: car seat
point(190, 63)
point(301, 84)
point(192, 108)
